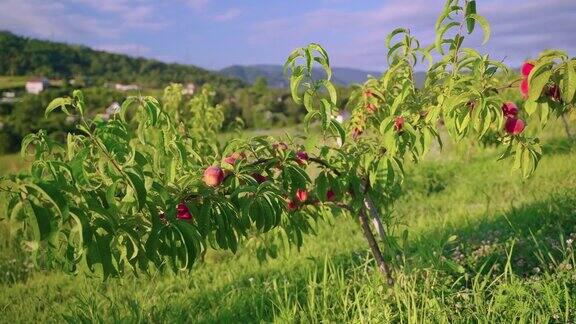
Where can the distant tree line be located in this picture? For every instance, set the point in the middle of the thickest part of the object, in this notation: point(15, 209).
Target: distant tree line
point(258, 105)
point(27, 56)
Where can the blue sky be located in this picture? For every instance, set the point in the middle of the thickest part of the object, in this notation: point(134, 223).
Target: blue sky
point(218, 33)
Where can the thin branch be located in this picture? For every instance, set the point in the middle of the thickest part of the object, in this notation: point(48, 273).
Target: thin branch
point(325, 164)
point(567, 127)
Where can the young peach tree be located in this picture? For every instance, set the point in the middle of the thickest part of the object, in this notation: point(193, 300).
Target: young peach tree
point(153, 187)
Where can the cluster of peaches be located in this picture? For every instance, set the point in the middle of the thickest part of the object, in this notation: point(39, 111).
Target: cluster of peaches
point(214, 176)
point(514, 125)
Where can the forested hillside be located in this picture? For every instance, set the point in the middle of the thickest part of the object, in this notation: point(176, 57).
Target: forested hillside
point(26, 56)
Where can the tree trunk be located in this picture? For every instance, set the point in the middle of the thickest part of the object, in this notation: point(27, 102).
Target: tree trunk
point(382, 265)
point(567, 128)
point(376, 221)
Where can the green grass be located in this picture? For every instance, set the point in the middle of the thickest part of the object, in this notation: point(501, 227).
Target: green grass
point(482, 245)
point(11, 163)
point(9, 82)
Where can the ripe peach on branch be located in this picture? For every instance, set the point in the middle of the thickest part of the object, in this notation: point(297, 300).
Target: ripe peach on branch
point(213, 176)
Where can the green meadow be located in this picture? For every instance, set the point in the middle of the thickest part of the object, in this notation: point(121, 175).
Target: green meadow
point(475, 243)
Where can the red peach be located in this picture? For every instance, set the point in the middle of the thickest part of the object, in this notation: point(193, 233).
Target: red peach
point(213, 176)
point(280, 146)
point(527, 68)
point(234, 157)
point(356, 133)
point(292, 205)
point(368, 93)
point(524, 87)
point(258, 177)
point(399, 123)
point(301, 195)
point(509, 109)
point(301, 157)
point(182, 212)
point(330, 195)
point(371, 108)
point(514, 126)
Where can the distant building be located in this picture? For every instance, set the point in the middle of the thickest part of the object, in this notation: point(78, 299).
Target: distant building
point(189, 89)
point(126, 87)
point(9, 97)
point(37, 85)
point(114, 108)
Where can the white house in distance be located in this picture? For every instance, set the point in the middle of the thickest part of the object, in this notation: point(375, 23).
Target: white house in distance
point(126, 87)
point(37, 85)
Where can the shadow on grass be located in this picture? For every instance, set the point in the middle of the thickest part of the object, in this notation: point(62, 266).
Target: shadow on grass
point(539, 237)
point(558, 145)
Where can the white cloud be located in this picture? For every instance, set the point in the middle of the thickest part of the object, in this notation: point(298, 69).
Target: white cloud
point(357, 37)
point(57, 19)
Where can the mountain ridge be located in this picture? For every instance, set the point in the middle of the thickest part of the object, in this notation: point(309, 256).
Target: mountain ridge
point(273, 73)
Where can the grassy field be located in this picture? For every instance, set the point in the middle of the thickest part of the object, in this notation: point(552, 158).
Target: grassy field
point(9, 82)
point(482, 245)
point(11, 163)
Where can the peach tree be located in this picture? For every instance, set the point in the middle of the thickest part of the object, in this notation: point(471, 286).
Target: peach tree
point(153, 187)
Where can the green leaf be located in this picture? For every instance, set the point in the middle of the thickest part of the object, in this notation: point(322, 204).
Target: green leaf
point(530, 107)
point(470, 10)
point(294, 85)
point(138, 185)
point(331, 91)
point(57, 103)
point(291, 58)
point(125, 105)
point(308, 100)
point(537, 84)
point(569, 81)
point(440, 35)
point(339, 129)
point(191, 241)
point(44, 218)
point(51, 193)
point(483, 23)
point(28, 139)
point(394, 33)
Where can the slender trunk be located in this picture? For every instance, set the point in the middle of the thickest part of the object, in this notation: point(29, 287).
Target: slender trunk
point(382, 265)
point(376, 221)
point(567, 128)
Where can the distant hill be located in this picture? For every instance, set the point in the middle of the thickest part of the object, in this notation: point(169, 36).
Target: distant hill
point(276, 78)
point(20, 56)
